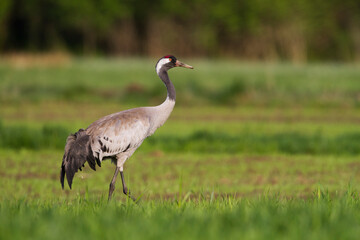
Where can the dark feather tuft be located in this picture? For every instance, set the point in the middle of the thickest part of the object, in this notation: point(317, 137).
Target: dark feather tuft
point(77, 152)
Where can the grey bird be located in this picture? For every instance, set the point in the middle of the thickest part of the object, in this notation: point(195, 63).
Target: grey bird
point(118, 135)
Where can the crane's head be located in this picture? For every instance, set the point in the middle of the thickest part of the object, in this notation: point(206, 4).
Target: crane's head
point(169, 61)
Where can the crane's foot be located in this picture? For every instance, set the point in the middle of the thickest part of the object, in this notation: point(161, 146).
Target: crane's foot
point(126, 191)
point(128, 194)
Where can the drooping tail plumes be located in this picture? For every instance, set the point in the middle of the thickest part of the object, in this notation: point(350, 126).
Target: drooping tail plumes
point(77, 152)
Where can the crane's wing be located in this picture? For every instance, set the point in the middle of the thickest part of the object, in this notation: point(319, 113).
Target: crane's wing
point(118, 132)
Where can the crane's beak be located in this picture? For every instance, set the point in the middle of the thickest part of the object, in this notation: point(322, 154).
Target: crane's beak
point(180, 64)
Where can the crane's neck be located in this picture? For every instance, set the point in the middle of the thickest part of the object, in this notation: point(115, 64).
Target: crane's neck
point(171, 93)
point(159, 114)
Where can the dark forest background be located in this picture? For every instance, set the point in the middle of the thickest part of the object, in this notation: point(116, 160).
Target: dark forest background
point(297, 31)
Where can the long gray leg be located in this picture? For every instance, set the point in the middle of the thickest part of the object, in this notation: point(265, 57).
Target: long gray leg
point(125, 189)
point(112, 184)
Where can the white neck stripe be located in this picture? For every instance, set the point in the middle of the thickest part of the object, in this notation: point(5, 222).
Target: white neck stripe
point(161, 63)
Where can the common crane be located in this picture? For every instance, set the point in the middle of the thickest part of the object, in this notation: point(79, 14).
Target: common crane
point(118, 135)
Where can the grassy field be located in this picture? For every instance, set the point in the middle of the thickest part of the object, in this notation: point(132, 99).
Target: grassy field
point(251, 151)
point(263, 218)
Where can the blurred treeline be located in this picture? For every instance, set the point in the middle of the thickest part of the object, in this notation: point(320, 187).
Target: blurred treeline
point(246, 29)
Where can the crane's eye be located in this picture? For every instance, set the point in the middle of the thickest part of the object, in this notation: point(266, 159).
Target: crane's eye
point(170, 59)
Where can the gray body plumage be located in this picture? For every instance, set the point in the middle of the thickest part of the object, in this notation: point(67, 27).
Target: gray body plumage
point(115, 136)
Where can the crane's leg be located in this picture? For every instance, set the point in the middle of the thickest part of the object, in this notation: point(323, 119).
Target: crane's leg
point(113, 181)
point(125, 189)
